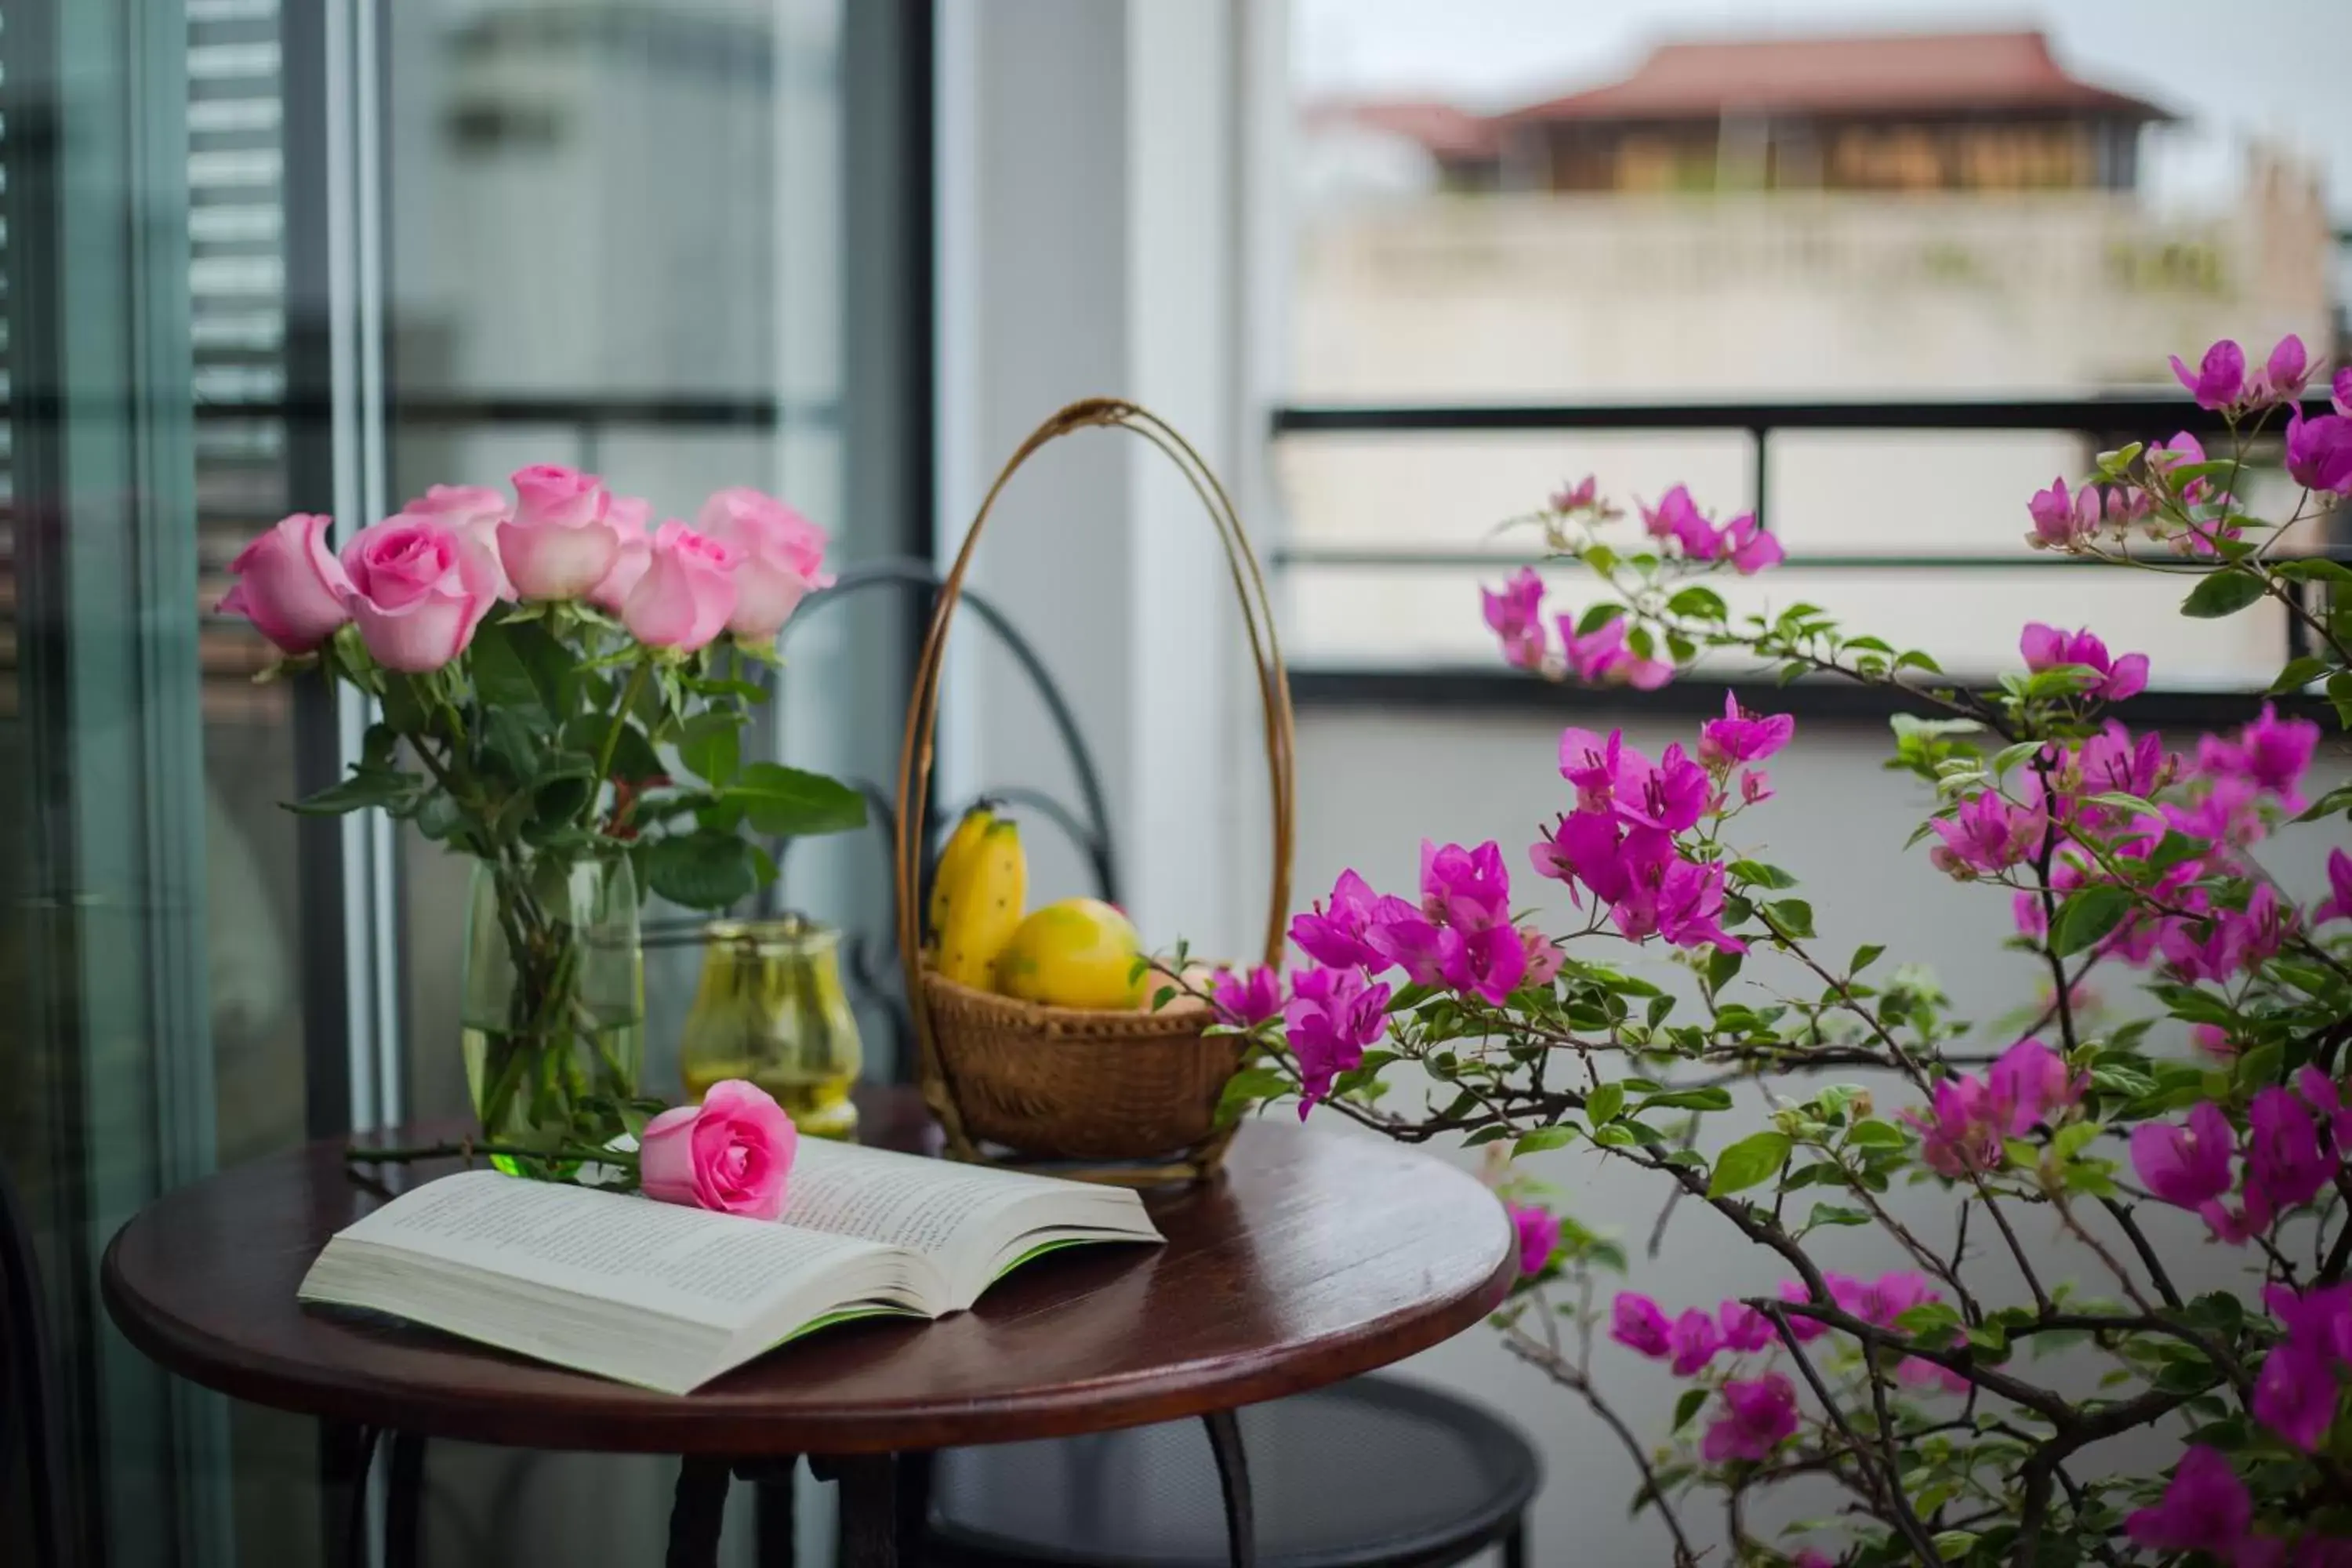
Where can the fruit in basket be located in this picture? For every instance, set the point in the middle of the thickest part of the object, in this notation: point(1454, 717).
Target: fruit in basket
point(955, 863)
point(1079, 952)
point(983, 905)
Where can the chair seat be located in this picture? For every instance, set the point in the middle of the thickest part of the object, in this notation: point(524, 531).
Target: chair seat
point(1370, 1472)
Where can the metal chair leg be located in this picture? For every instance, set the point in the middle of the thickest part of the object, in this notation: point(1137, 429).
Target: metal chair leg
point(698, 1511)
point(773, 1525)
point(1515, 1544)
point(346, 1453)
point(404, 1501)
point(869, 1506)
point(1232, 1479)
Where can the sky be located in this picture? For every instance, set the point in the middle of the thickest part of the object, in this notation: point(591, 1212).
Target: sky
point(2280, 80)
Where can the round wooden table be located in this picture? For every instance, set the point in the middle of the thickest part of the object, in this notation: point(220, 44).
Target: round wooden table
point(1314, 1257)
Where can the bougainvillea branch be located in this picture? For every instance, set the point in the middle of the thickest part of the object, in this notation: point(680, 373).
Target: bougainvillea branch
point(1440, 1017)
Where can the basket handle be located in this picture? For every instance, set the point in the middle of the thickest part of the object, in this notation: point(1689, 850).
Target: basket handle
point(922, 710)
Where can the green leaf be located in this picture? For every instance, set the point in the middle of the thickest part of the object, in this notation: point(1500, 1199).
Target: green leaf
point(1696, 604)
point(1597, 615)
point(1688, 1405)
point(1541, 1139)
point(501, 680)
point(1245, 1088)
point(1706, 1097)
point(1793, 916)
point(1756, 1158)
point(371, 786)
point(2298, 674)
point(1874, 1133)
point(1721, 967)
point(1757, 874)
point(1952, 1544)
point(2222, 593)
point(712, 746)
point(1864, 957)
point(2073, 1139)
point(2335, 800)
point(2087, 916)
point(1835, 1214)
point(2312, 569)
point(1605, 1104)
point(701, 870)
point(784, 802)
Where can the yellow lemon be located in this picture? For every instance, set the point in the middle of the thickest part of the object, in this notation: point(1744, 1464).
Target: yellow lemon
point(1079, 952)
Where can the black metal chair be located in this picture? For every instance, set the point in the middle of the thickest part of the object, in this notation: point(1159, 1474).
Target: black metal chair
point(1374, 1473)
point(28, 1405)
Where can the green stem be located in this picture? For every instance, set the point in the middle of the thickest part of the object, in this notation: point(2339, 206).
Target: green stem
point(636, 683)
point(402, 1154)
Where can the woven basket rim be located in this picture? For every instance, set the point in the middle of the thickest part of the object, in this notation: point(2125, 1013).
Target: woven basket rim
point(1039, 1015)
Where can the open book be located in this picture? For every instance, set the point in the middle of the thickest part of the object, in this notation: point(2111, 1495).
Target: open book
point(668, 1297)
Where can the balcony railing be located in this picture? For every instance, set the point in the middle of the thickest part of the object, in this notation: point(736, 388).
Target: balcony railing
point(2105, 421)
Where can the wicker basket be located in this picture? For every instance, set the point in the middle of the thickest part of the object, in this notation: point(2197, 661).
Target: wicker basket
point(1012, 1081)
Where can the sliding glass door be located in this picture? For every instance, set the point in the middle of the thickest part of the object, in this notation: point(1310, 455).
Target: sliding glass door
point(264, 256)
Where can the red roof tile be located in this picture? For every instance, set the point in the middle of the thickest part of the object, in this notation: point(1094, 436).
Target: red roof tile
point(1890, 74)
point(1447, 130)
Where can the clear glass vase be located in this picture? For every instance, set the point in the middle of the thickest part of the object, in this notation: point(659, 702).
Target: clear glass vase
point(554, 1004)
point(770, 1008)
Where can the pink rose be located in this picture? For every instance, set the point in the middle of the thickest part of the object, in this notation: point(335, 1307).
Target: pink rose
point(686, 592)
point(290, 584)
point(629, 514)
point(476, 509)
point(418, 588)
point(730, 1153)
point(560, 541)
point(783, 558)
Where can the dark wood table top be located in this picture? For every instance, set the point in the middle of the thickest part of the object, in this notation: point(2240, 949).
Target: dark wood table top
point(1315, 1256)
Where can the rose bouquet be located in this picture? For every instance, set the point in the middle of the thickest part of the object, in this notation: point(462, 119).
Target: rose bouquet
point(559, 690)
point(1917, 1392)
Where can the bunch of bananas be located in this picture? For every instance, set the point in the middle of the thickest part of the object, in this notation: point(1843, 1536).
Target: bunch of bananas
point(1077, 952)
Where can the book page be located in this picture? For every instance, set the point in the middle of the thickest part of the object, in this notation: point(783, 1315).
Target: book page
point(902, 1200)
point(679, 1262)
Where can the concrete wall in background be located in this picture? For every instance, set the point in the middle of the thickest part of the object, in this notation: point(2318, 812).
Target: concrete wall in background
point(1374, 782)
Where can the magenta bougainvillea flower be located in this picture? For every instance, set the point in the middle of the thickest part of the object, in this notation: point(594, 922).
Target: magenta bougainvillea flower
point(1248, 1000)
point(1537, 1232)
point(1334, 932)
point(2204, 1508)
point(1692, 1343)
point(1742, 736)
point(2319, 452)
point(2219, 378)
point(1986, 835)
point(1635, 1322)
point(1604, 657)
point(1760, 1415)
point(1332, 1016)
point(1515, 615)
point(1745, 1329)
point(2062, 519)
point(1466, 889)
point(2337, 905)
point(2272, 754)
point(2295, 1396)
point(2045, 647)
point(2187, 1165)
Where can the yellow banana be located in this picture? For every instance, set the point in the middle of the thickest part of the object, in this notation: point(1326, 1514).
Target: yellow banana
point(955, 863)
point(984, 907)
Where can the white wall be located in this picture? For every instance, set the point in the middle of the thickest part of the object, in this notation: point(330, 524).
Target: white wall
point(1085, 249)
